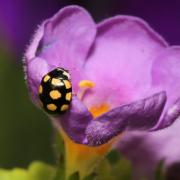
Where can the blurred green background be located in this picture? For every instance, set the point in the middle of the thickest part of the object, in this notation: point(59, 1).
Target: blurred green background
point(25, 132)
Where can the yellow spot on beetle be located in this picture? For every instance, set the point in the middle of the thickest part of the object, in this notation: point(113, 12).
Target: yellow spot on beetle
point(56, 82)
point(66, 74)
point(46, 78)
point(51, 107)
point(55, 94)
point(40, 89)
point(60, 69)
point(67, 84)
point(68, 96)
point(64, 107)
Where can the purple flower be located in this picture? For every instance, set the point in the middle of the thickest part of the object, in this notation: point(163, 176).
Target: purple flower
point(124, 75)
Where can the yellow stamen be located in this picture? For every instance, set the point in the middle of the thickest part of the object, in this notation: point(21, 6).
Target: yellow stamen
point(84, 85)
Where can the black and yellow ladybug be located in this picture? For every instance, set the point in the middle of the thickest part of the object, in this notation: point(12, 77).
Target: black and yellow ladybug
point(55, 91)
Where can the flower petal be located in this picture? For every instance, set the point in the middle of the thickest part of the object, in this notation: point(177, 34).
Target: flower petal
point(75, 121)
point(122, 56)
point(67, 35)
point(139, 115)
point(78, 123)
point(32, 48)
point(166, 76)
point(64, 40)
point(35, 70)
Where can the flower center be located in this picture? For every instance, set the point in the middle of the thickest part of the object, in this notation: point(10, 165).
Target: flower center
point(99, 110)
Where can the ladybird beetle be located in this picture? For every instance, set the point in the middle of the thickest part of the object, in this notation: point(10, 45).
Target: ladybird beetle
point(55, 91)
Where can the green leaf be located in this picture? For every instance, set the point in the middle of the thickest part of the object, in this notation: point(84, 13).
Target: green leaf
point(114, 167)
point(59, 146)
point(103, 170)
point(15, 174)
point(19, 174)
point(113, 156)
point(90, 177)
point(74, 176)
point(60, 155)
point(25, 131)
point(159, 173)
point(41, 171)
point(36, 171)
point(60, 172)
point(122, 170)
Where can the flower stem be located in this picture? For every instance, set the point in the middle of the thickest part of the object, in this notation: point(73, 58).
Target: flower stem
point(82, 158)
